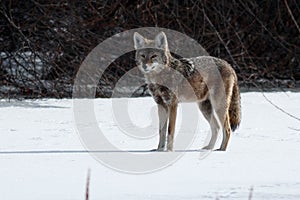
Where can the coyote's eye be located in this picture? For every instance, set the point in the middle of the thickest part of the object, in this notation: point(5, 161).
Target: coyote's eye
point(143, 56)
point(153, 56)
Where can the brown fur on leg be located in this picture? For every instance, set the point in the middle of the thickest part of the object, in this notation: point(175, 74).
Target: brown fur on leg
point(172, 122)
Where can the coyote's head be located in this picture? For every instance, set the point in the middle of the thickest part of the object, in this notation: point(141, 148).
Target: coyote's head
point(152, 56)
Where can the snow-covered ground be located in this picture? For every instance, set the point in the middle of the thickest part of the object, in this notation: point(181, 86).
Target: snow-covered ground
point(263, 153)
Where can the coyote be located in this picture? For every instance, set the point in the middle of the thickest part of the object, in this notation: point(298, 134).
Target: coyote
point(171, 81)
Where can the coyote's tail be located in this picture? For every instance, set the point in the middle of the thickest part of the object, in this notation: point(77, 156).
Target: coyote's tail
point(235, 108)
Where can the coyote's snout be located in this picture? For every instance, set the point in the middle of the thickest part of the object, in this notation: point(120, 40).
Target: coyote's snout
point(208, 81)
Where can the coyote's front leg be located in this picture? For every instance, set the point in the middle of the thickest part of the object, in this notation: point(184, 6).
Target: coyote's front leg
point(172, 122)
point(163, 120)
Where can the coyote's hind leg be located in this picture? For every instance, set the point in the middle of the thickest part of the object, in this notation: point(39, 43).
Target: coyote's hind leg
point(226, 121)
point(226, 134)
point(206, 109)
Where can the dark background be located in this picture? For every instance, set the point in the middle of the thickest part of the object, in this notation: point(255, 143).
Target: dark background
point(43, 43)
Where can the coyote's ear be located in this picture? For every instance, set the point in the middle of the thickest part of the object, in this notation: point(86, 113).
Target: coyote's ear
point(161, 41)
point(139, 40)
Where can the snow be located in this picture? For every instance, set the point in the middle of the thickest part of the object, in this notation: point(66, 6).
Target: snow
point(263, 153)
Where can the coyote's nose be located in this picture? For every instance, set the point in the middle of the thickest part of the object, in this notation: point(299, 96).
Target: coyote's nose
point(145, 67)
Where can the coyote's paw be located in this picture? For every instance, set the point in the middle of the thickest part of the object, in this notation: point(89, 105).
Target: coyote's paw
point(158, 149)
point(220, 149)
point(209, 148)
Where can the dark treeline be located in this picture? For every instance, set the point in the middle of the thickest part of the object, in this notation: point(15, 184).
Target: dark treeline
point(43, 43)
